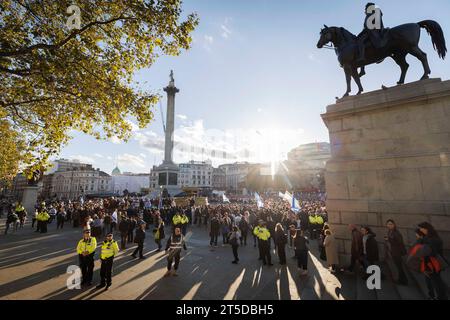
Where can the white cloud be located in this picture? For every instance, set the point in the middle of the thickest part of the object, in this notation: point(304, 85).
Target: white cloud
point(226, 32)
point(83, 159)
point(207, 42)
point(259, 110)
point(150, 141)
point(143, 155)
point(127, 160)
point(181, 116)
point(98, 155)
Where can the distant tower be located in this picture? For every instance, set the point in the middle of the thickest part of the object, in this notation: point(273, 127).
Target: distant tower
point(171, 90)
point(167, 172)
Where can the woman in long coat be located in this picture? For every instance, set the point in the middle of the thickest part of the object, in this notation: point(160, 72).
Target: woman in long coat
point(331, 250)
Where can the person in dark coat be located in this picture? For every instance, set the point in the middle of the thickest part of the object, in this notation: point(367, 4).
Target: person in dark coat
point(123, 228)
point(301, 251)
point(370, 248)
point(131, 226)
point(215, 230)
point(271, 227)
point(437, 289)
point(280, 242)
point(396, 249)
point(139, 239)
point(244, 227)
point(356, 248)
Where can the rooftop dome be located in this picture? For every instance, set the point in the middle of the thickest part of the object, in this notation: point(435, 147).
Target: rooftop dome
point(116, 171)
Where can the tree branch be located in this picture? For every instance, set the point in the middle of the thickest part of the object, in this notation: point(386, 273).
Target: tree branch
point(63, 42)
point(17, 72)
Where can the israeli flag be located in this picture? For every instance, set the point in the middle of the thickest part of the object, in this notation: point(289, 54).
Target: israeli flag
point(259, 202)
point(225, 199)
point(295, 206)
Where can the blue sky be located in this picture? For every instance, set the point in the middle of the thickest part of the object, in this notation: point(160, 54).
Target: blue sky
point(254, 84)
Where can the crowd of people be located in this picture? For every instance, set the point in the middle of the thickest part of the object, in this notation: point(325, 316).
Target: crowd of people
point(236, 224)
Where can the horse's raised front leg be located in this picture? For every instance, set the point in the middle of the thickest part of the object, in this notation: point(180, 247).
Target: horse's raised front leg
point(348, 78)
point(357, 79)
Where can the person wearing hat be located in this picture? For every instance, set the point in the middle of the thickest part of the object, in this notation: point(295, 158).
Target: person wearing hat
point(263, 235)
point(86, 251)
point(109, 250)
point(42, 219)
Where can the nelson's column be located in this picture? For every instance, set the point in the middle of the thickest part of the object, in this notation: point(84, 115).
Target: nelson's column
point(167, 172)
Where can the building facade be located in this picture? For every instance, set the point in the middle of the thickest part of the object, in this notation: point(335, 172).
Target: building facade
point(131, 182)
point(235, 175)
point(218, 179)
point(306, 165)
point(196, 174)
point(76, 182)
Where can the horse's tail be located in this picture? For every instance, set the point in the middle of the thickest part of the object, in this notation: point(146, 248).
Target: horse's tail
point(437, 36)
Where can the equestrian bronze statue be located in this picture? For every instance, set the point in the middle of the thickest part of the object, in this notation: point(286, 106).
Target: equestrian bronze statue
point(357, 52)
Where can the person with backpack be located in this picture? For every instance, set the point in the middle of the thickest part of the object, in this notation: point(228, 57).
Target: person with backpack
point(428, 251)
point(233, 240)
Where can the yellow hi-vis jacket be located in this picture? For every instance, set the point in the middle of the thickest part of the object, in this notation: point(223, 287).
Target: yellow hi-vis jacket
point(19, 209)
point(109, 249)
point(177, 219)
point(184, 219)
point(87, 245)
point(43, 216)
point(319, 219)
point(262, 233)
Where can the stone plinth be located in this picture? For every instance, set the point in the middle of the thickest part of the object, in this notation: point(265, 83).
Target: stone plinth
point(390, 160)
point(29, 198)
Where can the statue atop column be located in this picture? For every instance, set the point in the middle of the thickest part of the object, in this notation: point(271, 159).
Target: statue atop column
point(172, 80)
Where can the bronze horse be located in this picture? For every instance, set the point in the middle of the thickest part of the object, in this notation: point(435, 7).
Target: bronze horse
point(400, 41)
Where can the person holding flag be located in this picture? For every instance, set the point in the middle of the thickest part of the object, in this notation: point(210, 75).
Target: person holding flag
point(225, 199)
point(259, 202)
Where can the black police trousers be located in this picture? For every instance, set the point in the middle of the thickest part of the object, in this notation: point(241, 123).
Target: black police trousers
point(264, 251)
point(87, 267)
point(175, 256)
point(106, 271)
